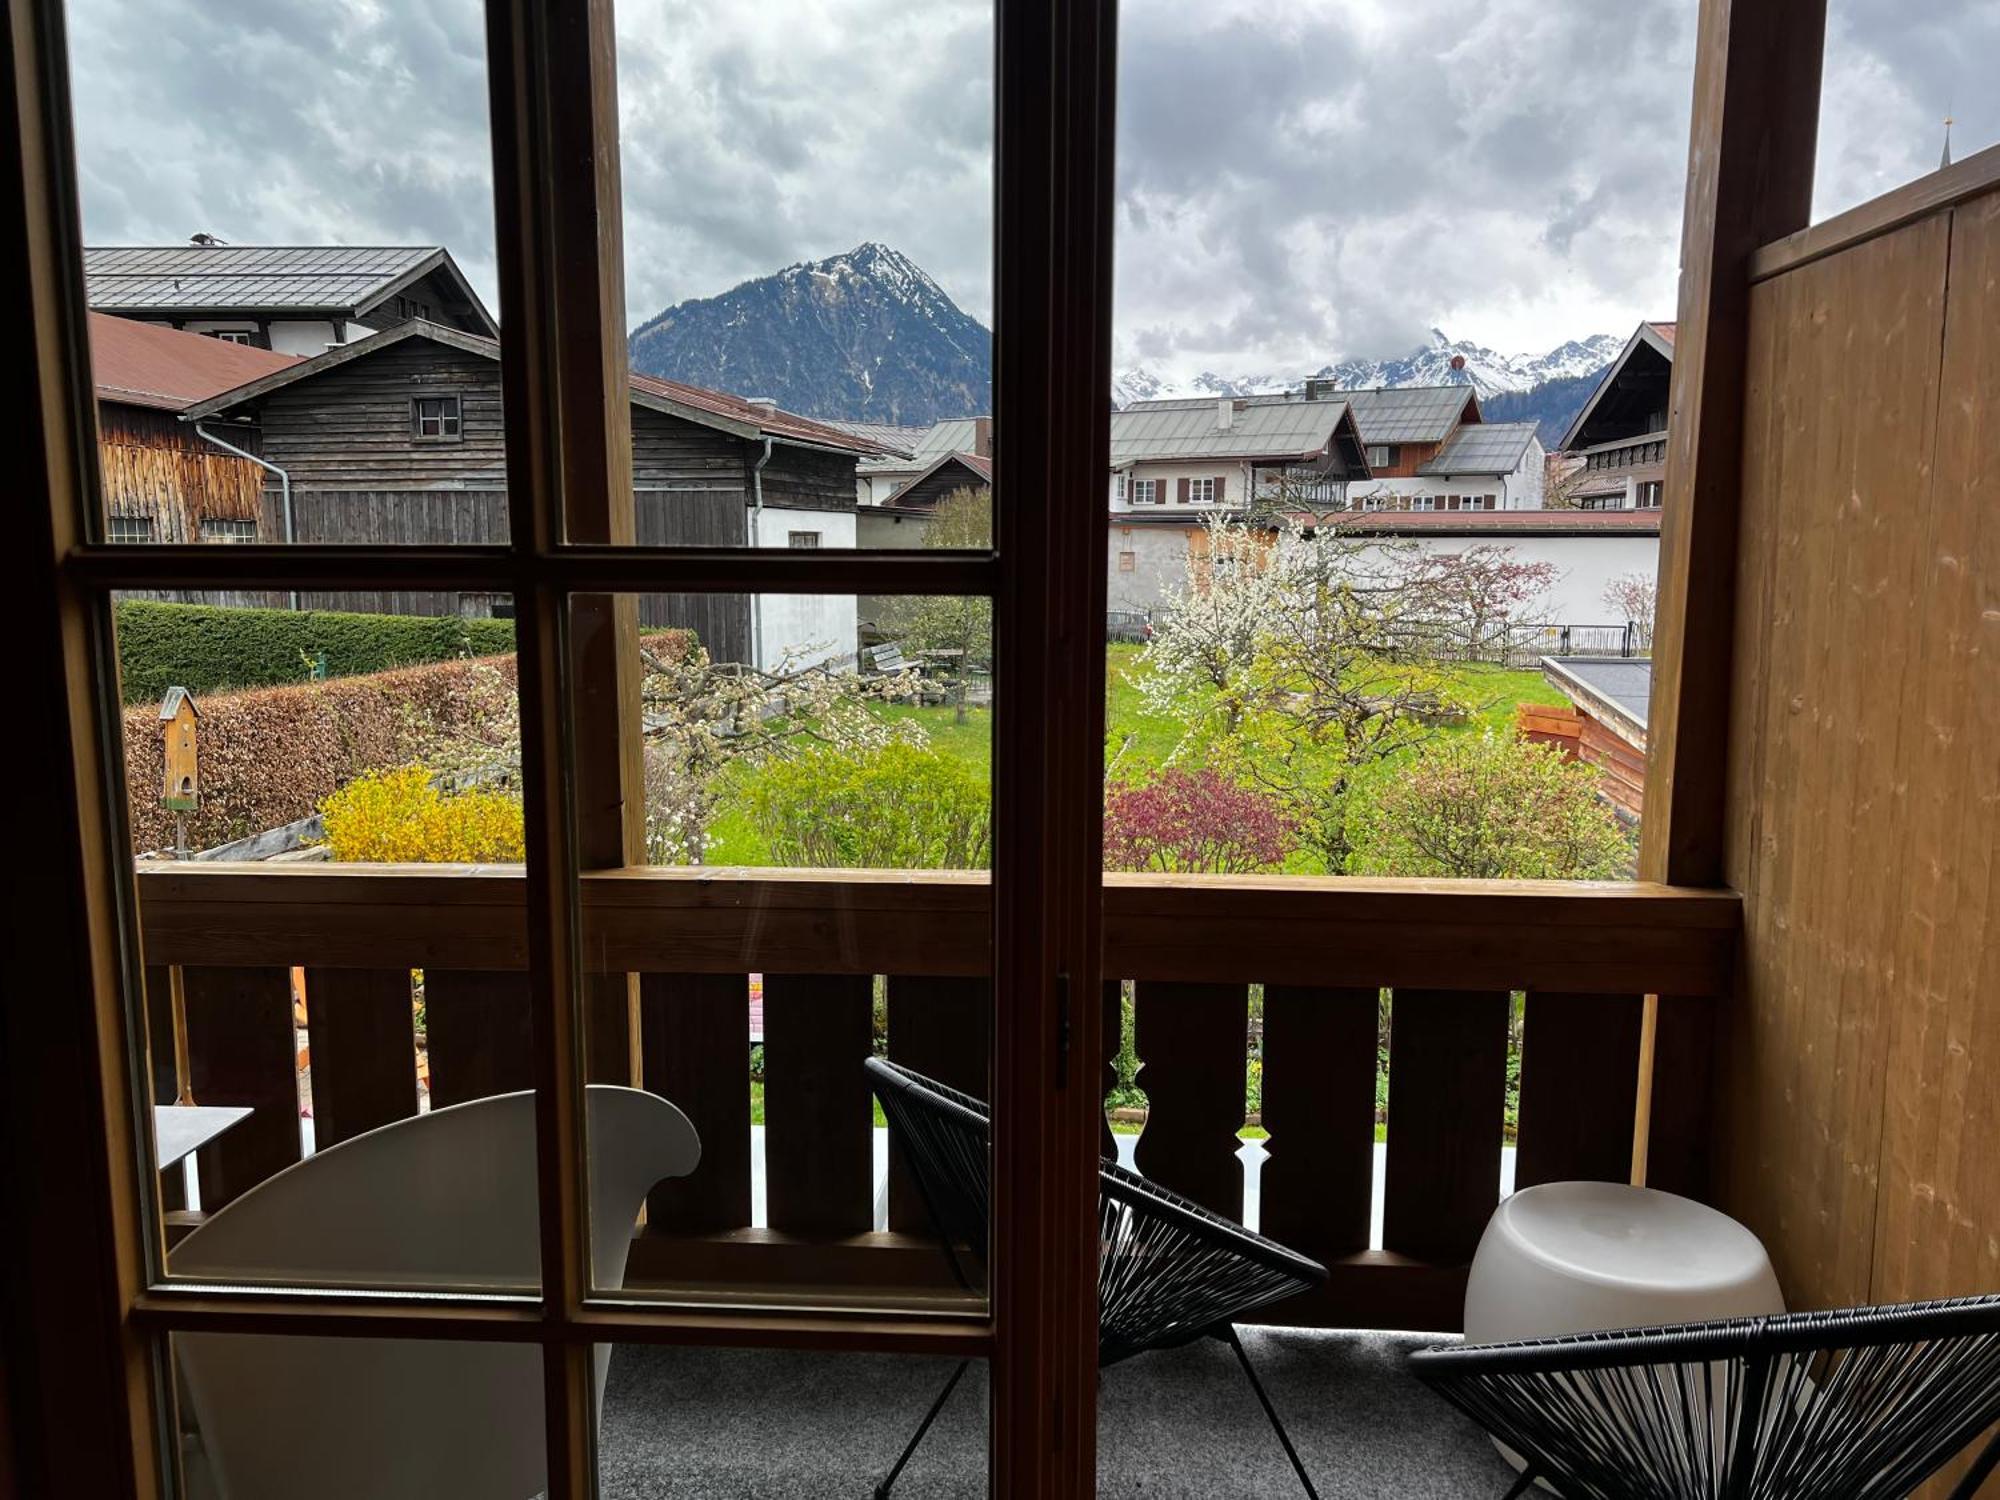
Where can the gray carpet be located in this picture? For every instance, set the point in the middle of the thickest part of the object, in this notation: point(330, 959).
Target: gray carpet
point(749, 1424)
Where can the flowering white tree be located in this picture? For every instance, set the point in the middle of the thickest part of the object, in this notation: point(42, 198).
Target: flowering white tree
point(1635, 597)
point(701, 717)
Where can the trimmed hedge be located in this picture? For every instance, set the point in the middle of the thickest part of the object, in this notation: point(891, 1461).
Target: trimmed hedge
point(270, 756)
point(204, 648)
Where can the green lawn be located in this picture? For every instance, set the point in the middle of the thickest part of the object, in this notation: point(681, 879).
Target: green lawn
point(1135, 738)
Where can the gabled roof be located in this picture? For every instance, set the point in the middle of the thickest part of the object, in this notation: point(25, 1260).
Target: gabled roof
point(1155, 430)
point(924, 444)
point(900, 441)
point(1412, 414)
point(713, 409)
point(303, 279)
point(1483, 448)
point(979, 468)
point(1658, 337)
point(140, 364)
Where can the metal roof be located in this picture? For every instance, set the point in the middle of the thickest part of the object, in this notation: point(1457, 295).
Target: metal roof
point(305, 277)
point(1190, 429)
point(1622, 684)
point(1483, 448)
point(924, 445)
point(141, 364)
point(1407, 414)
point(899, 440)
point(1500, 522)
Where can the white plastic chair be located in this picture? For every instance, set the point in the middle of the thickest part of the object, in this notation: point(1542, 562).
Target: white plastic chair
point(443, 1199)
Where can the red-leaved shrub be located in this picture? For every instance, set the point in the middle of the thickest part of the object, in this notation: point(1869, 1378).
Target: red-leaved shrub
point(1197, 822)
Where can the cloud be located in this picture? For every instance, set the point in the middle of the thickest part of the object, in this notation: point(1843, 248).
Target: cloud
point(1296, 184)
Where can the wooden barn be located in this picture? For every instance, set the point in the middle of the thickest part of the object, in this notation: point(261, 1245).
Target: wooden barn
point(163, 481)
point(399, 439)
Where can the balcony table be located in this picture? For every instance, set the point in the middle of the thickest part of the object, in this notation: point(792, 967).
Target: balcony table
point(180, 1129)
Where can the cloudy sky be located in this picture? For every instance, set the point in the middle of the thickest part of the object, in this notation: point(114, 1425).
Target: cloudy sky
point(1297, 183)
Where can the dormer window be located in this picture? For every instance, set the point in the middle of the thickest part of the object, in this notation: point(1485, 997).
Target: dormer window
point(435, 419)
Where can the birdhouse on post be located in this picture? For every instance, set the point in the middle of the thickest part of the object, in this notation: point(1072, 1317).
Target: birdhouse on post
point(180, 790)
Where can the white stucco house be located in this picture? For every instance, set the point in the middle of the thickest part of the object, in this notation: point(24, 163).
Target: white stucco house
point(1147, 555)
point(1194, 457)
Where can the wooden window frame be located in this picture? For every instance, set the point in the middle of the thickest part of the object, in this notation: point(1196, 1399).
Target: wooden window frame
point(112, 524)
point(802, 541)
point(455, 417)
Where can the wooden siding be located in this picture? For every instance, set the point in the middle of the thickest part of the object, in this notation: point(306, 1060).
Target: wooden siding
point(155, 466)
point(807, 478)
point(1860, 1071)
point(349, 428)
point(947, 481)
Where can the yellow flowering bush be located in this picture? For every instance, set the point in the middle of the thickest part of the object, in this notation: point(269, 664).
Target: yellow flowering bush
point(399, 816)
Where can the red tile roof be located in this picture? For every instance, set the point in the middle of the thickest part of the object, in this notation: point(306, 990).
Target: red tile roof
point(142, 364)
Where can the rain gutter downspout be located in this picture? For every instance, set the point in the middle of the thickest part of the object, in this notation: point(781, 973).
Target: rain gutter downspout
point(756, 540)
point(284, 484)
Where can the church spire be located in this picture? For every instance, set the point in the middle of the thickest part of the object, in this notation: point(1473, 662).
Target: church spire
point(1945, 160)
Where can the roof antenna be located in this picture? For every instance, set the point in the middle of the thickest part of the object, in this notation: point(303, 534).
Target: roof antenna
point(205, 239)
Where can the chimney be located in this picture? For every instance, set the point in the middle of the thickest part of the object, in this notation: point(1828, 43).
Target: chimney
point(982, 437)
point(762, 403)
point(1225, 413)
point(1318, 389)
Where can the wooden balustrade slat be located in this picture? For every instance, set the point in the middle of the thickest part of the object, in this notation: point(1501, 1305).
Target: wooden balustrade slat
point(1447, 1097)
point(160, 1059)
point(1113, 1033)
point(242, 1050)
point(696, 1053)
point(477, 1031)
point(1192, 1041)
point(1319, 1108)
point(1579, 1082)
point(362, 1038)
point(818, 1149)
point(943, 1028)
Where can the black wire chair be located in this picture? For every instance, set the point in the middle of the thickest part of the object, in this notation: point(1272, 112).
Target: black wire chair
point(1856, 1404)
point(1171, 1272)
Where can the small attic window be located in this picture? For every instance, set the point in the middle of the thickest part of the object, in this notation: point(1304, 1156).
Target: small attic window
point(435, 419)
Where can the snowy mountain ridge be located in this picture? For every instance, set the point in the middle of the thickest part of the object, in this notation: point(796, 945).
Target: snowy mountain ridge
point(1441, 361)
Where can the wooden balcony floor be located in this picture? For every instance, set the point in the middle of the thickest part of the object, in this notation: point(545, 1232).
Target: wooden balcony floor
point(705, 1424)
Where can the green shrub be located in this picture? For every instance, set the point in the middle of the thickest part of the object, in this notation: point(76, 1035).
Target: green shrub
point(898, 807)
point(203, 649)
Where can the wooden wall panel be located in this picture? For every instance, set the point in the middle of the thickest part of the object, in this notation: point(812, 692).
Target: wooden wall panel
point(1840, 603)
point(1937, 1230)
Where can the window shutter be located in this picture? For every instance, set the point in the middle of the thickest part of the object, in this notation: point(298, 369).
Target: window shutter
point(1221, 481)
point(1183, 497)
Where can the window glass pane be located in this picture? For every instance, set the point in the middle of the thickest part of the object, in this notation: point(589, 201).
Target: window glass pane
point(325, 817)
point(807, 895)
point(1905, 91)
point(808, 212)
point(292, 319)
point(276, 1415)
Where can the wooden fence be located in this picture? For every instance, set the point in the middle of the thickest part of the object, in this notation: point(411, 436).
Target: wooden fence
point(1450, 953)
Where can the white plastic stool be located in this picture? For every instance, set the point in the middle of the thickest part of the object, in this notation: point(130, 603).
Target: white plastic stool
point(1575, 1257)
point(1579, 1257)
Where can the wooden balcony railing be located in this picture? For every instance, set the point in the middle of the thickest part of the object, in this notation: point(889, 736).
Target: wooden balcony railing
point(1451, 953)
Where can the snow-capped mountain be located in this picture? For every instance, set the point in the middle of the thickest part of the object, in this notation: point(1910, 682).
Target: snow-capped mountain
point(1442, 361)
point(866, 336)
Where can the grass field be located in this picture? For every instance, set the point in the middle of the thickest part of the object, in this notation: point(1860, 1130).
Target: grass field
point(1152, 738)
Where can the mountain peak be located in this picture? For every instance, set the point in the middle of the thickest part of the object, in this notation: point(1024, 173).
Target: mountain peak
point(866, 335)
